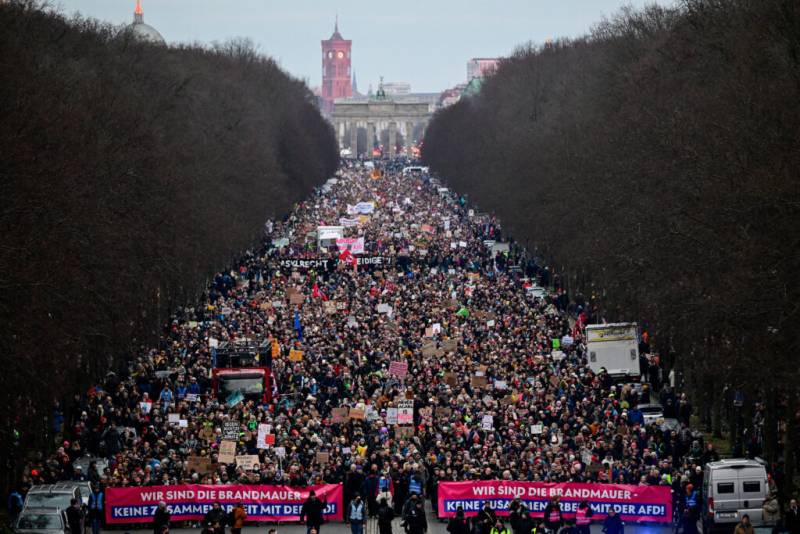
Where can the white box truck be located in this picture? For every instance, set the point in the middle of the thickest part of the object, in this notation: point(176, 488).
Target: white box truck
point(614, 347)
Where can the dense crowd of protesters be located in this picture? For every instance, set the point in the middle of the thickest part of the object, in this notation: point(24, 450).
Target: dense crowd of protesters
point(499, 381)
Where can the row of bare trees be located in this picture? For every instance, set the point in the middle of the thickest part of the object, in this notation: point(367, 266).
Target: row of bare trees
point(129, 173)
point(655, 163)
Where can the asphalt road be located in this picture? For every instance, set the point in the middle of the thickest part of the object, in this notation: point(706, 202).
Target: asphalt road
point(434, 527)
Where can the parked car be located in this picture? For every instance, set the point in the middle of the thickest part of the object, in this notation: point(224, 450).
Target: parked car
point(651, 412)
point(732, 488)
point(36, 519)
point(57, 495)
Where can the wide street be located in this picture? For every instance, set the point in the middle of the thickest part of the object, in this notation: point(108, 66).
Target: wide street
point(434, 527)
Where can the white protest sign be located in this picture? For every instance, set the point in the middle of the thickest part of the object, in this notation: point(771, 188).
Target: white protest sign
point(391, 416)
point(405, 412)
point(261, 440)
point(487, 423)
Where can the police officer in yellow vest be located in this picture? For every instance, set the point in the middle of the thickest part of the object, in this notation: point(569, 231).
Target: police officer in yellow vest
point(499, 528)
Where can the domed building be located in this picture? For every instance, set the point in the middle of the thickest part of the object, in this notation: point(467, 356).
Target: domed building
point(143, 31)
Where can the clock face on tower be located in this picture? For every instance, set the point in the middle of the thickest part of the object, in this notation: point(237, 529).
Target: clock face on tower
point(330, 54)
point(341, 55)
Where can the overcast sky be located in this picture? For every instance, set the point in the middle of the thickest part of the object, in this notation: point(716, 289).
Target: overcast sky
point(424, 42)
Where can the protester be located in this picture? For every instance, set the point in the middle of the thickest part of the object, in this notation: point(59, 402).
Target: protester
point(486, 518)
point(75, 516)
point(430, 312)
point(458, 524)
point(744, 526)
point(612, 524)
point(792, 519)
point(161, 519)
point(415, 520)
point(239, 516)
point(385, 517)
point(215, 520)
point(311, 513)
point(16, 501)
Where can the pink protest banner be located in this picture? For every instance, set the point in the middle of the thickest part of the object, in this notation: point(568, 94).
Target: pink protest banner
point(398, 369)
point(354, 244)
point(632, 503)
point(191, 502)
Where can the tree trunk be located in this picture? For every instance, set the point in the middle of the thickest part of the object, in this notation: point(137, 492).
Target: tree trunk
point(716, 413)
point(790, 442)
point(771, 427)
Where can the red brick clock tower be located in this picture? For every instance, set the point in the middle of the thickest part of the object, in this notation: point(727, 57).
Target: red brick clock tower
point(336, 76)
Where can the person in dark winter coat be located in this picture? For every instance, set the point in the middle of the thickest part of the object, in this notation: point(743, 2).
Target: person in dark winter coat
point(311, 513)
point(792, 520)
point(161, 519)
point(458, 524)
point(385, 515)
point(75, 516)
point(613, 523)
point(416, 522)
point(486, 519)
point(215, 519)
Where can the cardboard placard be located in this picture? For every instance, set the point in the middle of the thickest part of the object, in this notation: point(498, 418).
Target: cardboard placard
point(451, 379)
point(323, 458)
point(295, 297)
point(247, 461)
point(357, 413)
point(507, 400)
point(443, 411)
point(227, 452)
point(339, 415)
point(295, 355)
point(478, 382)
point(329, 307)
point(402, 432)
point(450, 345)
point(199, 464)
